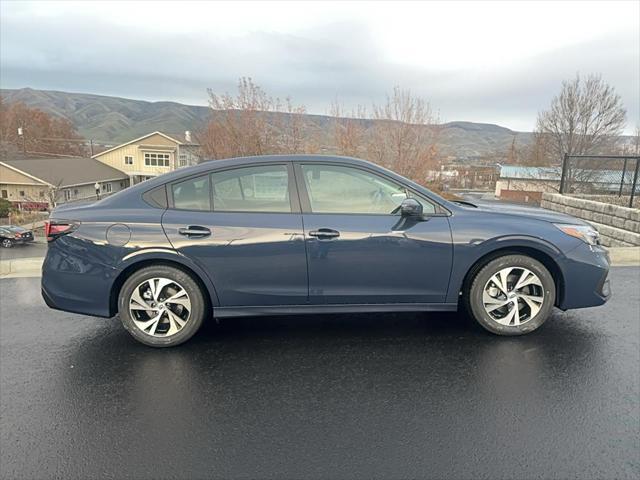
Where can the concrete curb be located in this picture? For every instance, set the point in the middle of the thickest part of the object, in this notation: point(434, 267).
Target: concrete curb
point(625, 256)
point(21, 267)
point(32, 267)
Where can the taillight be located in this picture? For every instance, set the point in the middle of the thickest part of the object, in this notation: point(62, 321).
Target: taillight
point(56, 228)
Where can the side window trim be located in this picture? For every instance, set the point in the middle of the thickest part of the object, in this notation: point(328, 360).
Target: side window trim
point(305, 202)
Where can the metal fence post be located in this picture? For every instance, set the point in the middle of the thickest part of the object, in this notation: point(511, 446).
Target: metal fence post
point(624, 172)
point(635, 182)
point(563, 178)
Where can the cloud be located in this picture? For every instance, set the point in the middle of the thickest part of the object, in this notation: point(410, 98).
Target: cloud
point(342, 58)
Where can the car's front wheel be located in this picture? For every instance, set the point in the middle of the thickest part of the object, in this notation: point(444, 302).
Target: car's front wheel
point(161, 306)
point(511, 295)
point(7, 243)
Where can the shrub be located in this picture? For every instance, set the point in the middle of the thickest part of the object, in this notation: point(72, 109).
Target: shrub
point(5, 207)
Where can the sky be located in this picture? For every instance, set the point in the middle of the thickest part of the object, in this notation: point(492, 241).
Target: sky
point(493, 62)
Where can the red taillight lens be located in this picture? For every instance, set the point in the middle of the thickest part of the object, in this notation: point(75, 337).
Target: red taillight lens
point(55, 228)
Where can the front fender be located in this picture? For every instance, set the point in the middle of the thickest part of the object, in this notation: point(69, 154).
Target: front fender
point(467, 254)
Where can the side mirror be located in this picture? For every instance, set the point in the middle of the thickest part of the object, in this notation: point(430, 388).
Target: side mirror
point(410, 207)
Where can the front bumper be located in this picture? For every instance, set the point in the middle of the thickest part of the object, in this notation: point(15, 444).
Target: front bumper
point(586, 277)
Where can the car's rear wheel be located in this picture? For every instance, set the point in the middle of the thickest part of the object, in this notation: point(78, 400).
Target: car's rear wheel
point(511, 295)
point(7, 243)
point(161, 306)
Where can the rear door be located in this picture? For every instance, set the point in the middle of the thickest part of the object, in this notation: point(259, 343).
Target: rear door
point(244, 227)
point(358, 250)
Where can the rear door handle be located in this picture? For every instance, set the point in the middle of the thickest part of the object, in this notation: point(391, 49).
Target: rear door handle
point(324, 233)
point(194, 231)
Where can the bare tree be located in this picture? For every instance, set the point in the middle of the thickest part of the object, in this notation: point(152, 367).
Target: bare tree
point(349, 131)
point(405, 135)
point(41, 132)
point(586, 117)
point(253, 123)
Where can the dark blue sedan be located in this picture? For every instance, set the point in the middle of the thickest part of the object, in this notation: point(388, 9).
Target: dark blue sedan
point(278, 235)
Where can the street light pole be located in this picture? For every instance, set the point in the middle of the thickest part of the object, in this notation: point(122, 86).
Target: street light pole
point(24, 142)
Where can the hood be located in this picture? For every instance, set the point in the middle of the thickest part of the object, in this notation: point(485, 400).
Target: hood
point(528, 212)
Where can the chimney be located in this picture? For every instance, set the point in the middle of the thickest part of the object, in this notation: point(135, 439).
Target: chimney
point(187, 136)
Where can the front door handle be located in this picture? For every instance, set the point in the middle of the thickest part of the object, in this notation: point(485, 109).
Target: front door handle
point(194, 231)
point(324, 233)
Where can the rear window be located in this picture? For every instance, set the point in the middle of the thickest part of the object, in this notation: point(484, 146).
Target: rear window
point(192, 194)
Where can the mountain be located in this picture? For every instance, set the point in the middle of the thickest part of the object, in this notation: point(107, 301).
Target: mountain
point(113, 120)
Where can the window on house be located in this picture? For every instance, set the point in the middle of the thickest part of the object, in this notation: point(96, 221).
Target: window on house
point(41, 193)
point(106, 187)
point(21, 193)
point(75, 192)
point(5, 194)
point(67, 194)
point(128, 160)
point(183, 159)
point(156, 159)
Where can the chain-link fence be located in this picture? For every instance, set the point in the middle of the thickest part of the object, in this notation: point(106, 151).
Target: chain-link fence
point(606, 178)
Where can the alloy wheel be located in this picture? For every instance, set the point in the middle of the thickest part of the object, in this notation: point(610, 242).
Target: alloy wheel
point(160, 307)
point(6, 243)
point(513, 296)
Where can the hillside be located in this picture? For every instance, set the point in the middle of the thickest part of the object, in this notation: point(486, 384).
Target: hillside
point(113, 120)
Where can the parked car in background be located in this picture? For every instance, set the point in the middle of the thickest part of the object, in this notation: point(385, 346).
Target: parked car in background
point(311, 234)
point(11, 235)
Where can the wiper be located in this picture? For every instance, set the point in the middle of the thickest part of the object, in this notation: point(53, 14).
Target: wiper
point(464, 202)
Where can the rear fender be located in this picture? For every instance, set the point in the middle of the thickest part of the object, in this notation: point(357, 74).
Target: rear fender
point(169, 256)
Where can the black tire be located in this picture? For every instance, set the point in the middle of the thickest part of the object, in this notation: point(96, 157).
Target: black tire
point(6, 243)
point(473, 295)
point(196, 297)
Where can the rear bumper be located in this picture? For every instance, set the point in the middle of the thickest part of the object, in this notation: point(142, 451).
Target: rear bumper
point(586, 278)
point(19, 241)
point(74, 283)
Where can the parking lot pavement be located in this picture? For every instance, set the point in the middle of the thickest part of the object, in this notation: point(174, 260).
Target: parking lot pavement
point(350, 396)
point(28, 250)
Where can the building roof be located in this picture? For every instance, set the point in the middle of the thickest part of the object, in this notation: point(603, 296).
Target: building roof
point(64, 171)
point(530, 173)
point(135, 140)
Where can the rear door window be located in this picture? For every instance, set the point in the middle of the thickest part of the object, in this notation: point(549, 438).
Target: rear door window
point(192, 194)
point(252, 189)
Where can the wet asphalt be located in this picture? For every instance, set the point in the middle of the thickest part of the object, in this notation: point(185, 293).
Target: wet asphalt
point(350, 396)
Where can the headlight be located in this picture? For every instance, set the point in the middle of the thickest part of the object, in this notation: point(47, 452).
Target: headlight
point(585, 233)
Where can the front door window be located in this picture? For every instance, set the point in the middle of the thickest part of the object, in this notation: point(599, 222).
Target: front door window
point(339, 189)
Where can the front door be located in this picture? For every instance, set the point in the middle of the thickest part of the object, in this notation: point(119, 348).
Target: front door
point(359, 251)
point(243, 226)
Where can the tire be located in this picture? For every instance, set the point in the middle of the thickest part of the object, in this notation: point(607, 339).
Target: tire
point(6, 243)
point(493, 308)
point(167, 295)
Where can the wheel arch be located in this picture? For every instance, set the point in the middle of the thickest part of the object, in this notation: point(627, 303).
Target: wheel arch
point(537, 254)
point(199, 277)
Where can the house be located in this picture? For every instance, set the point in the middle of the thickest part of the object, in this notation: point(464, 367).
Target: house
point(527, 184)
point(40, 182)
point(151, 155)
point(474, 177)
